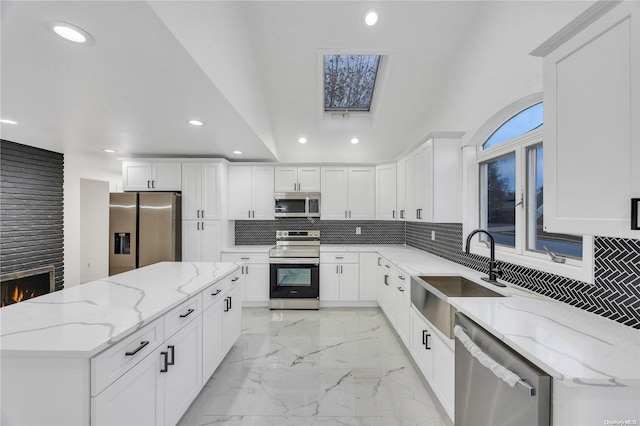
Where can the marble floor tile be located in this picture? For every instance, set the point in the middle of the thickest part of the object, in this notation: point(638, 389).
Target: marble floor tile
point(308, 368)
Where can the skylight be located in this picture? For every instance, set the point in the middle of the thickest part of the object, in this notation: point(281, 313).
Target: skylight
point(349, 81)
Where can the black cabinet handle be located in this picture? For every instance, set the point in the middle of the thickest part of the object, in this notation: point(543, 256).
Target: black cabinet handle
point(401, 214)
point(165, 362)
point(234, 280)
point(394, 214)
point(138, 349)
point(379, 259)
point(227, 304)
point(386, 277)
point(425, 339)
point(172, 348)
point(401, 289)
point(189, 312)
point(217, 292)
point(230, 299)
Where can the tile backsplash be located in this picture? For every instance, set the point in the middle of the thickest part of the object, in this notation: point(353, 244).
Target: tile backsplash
point(615, 293)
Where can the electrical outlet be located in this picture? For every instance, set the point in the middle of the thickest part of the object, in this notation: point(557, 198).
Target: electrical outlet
point(358, 230)
point(433, 235)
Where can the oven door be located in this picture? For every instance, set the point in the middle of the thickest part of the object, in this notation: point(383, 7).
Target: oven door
point(295, 279)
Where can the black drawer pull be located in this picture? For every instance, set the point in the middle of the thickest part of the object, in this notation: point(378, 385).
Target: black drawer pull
point(173, 354)
point(216, 293)
point(138, 349)
point(401, 289)
point(165, 362)
point(235, 279)
point(189, 312)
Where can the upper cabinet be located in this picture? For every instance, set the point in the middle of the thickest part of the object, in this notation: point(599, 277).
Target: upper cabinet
point(297, 179)
point(435, 181)
point(405, 188)
point(348, 193)
point(591, 122)
point(386, 192)
point(151, 176)
point(201, 191)
point(251, 191)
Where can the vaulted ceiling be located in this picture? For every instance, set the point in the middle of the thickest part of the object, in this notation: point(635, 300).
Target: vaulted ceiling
point(250, 70)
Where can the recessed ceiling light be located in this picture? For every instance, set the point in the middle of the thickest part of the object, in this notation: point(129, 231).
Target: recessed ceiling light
point(237, 152)
point(71, 32)
point(370, 18)
point(7, 121)
point(302, 140)
point(355, 141)
point(196, 122)
point(109, 150)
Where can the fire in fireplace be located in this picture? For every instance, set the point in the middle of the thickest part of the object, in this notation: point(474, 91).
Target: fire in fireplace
point(23, 285)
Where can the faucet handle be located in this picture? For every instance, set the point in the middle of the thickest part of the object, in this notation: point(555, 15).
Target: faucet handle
point(497, 269)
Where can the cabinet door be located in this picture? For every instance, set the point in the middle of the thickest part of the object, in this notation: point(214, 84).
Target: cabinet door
point(334, 196)
point(212, 339)
point(592, 136)
point(400, 189)
point(409, 202)
point(329, 282)
point(191, 191)
point(257, 282)
point(231, 318)
point(210, 183)
point(349, 281)
point(427, 175)
point(286, 179)
point(403, 320)
point(133, 399)
point(308, 179)
point(362, 193)
point(368, 277)
point(240, 192)
point(191, 241)
point(183, 379)
point(210, 237)
point(167, 176)
point(418, 183)
point(136, 176)
point(422, 344)
point(444, 373)
point(262, 192)
point(386, 192)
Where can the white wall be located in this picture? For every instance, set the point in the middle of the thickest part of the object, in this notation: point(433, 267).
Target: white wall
point(76, 167)
point(94, 236)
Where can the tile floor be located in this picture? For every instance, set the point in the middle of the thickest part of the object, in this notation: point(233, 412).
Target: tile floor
point(304, 368)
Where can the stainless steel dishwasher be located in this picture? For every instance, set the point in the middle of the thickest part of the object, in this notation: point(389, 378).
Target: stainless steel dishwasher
point(494, 385)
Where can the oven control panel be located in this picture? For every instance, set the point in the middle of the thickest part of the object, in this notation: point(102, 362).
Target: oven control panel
point(297, 235)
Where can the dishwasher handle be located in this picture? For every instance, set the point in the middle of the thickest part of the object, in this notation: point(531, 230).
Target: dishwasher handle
point(500, 371)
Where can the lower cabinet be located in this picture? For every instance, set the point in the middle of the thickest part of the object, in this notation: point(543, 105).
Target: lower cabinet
point(435, 358)
point(368, 277)
point(158, 388)
point(254, 276)
point(339, 281)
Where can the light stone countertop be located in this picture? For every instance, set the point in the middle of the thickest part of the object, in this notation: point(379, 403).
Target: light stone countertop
point(83, 320)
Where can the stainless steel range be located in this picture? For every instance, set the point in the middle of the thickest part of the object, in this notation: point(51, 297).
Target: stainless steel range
point(295, 270)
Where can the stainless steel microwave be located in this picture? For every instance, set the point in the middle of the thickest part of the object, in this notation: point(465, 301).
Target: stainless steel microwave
point(297, 204)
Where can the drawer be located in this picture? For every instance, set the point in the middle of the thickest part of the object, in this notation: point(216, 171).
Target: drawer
point(230, 281)
point(181, 315)
point(245, 257)
point(113, 362)
point(339, 258)
point(211, 295)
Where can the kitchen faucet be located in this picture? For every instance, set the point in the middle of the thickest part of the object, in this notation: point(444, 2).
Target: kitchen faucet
point(494, 269)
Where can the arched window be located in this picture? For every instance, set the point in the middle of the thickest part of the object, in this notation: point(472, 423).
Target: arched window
point(511, 189)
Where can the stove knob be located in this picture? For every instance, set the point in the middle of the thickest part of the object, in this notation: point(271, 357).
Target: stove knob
point(278, 233)
point(285, 233)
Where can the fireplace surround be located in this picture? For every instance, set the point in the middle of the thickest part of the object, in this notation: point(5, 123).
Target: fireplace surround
point(18, 286)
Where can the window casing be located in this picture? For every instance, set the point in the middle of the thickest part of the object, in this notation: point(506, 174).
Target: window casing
point(509, 205)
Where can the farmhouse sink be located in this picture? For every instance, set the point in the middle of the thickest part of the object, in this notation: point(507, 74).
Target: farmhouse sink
point(429, 295)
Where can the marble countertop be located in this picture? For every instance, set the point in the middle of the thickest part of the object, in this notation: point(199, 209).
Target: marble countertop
point(83, 320)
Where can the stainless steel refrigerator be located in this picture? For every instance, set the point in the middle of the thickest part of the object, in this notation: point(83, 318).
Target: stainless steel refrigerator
point(144, 228)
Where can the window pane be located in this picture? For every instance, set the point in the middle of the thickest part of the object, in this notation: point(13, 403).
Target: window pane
point(521, 123)
point(537, 238)
point(349, 81)
point(498, 204)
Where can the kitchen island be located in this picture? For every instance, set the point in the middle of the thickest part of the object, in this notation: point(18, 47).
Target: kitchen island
point(136, 346)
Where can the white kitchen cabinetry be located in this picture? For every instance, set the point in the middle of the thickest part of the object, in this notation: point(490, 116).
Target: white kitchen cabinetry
point(201, 191)
point(369, 277)
point(200, 241)
point(348, 193)
point(437, 180)
point(339, 277)
point(151, 176)
point(254, 276)
point(231, 318)
point(591, 126)
point(385, 288)
point(405, 188)
point(212, 331)
point(386, 192)
point(251, 191)
point(297, 179)
point(434, 354)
